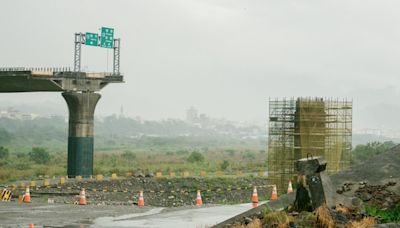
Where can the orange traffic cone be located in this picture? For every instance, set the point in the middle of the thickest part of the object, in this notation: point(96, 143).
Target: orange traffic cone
point(254, 197)
point(290, 188)
point(27, 196)
point(31, 225)
point(82, 197)
point(274, 193)
point(199, 202)
point(140, 201)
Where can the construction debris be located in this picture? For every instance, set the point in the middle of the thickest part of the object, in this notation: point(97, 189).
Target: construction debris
point(378, 195)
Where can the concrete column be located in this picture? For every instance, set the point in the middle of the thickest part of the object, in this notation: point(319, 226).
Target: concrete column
point(80, 134)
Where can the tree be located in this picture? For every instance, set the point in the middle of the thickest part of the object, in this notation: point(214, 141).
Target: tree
point(4, 153)
point(5, 136)
point(363, 152)
point(224, 165)
point(195, 156)
point(39, 155)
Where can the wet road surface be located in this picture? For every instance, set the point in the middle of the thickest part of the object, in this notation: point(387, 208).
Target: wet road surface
point(162, 217)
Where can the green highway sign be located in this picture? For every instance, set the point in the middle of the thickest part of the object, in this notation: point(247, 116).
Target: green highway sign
point(107, 37)
point(92, 39)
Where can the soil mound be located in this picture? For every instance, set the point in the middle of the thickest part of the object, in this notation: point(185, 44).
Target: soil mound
point(377, 170)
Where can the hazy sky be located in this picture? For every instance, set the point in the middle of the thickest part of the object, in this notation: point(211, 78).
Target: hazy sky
point(224, 57)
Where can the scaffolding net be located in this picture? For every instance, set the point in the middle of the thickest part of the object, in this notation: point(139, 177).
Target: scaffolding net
point(307, 126)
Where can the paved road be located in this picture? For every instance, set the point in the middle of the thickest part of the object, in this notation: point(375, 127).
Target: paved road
point(196, 217)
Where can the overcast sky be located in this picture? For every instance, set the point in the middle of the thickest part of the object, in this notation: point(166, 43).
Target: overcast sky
point(224, 57)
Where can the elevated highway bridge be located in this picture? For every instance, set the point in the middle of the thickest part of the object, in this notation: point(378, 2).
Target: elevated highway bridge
point(79, 90)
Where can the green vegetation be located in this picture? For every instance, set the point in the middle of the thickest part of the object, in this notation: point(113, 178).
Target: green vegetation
point(224, 165)
point(363, 152)
point(40, 161)
point(33, 148)
point(4, 153)
point(39, 155)
point(195, 156)
point(387, 215)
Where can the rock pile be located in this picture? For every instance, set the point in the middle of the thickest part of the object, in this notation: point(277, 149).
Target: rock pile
point(344, 188)
point(378, 195)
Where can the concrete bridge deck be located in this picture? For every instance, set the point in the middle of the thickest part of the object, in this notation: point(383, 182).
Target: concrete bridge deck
point(53, 80)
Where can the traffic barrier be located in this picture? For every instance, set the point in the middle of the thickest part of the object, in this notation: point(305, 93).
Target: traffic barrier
point(46, 182)
point(158, 174)
point(140, 201)
point(6, 195)
point(27, 196)
point(99, 177)
point(62, 181)
point(185, 174)
point(171, 174)
point(114, 176)
point(21, 198)
point(78, 178)
point(290, 188)
point(22, 185)
point(82, 197)
point(13, 186)
point(32, 184)
point(203, 173)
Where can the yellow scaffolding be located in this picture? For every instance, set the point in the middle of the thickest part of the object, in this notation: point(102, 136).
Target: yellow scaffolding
point(307, 126)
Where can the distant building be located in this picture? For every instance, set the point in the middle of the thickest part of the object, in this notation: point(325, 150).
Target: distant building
point(121, 112)
point(192, 115)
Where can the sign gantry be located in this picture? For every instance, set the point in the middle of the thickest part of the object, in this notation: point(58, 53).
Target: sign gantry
point(105, 40)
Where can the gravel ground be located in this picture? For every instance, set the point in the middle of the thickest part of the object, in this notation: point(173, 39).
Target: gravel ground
point(162, 192)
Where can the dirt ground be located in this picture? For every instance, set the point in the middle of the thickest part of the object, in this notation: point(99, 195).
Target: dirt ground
point(379, 169)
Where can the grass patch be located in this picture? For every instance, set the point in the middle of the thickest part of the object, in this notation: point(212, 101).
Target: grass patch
point(388, 215)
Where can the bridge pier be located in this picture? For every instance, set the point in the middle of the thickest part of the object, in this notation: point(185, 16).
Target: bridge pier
point(81, 108)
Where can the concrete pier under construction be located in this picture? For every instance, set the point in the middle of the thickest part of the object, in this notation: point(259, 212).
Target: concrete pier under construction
point(304, 127)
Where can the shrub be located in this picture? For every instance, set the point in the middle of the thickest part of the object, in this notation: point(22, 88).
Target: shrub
point(195, 156)
point(39, 155)
point(4, 153)
point(224, 165)
point(128, 155)
point(231, 152)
